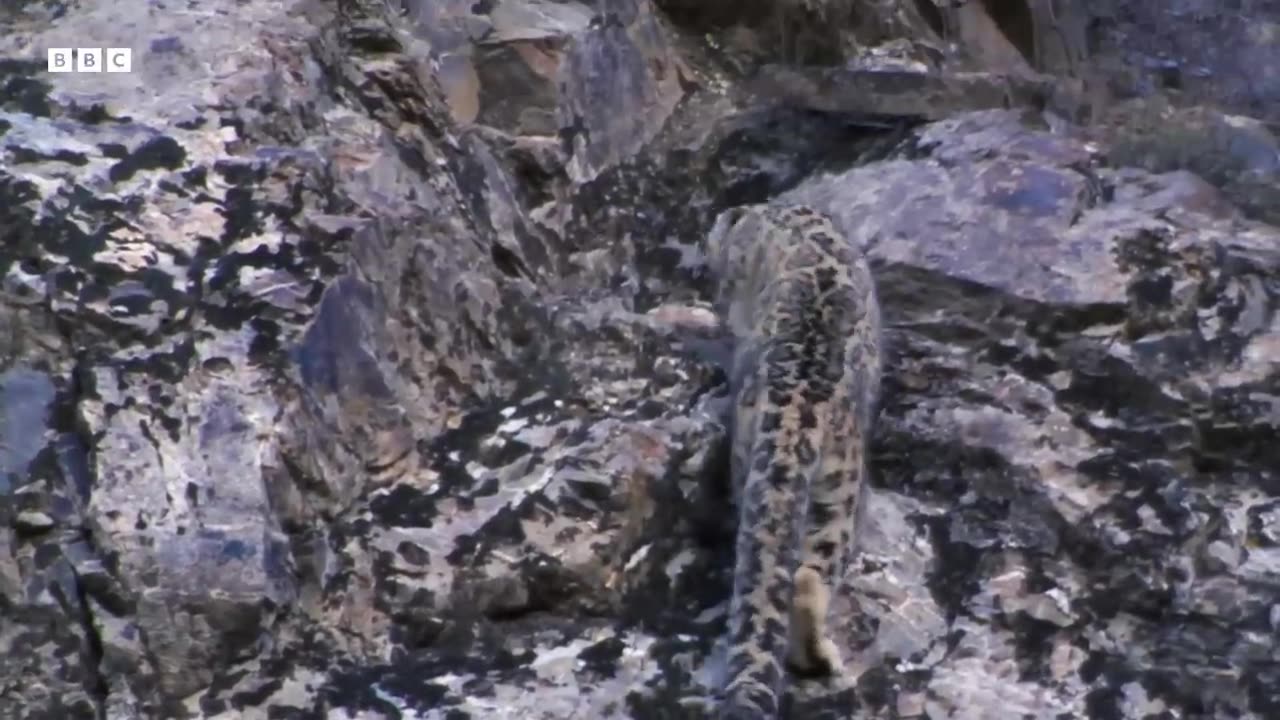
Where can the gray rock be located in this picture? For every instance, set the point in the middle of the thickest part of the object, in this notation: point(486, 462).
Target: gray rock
point(1004, 351)
point(1239, 155)
point(358, 362)
point(25, 397)
point(1198, 49)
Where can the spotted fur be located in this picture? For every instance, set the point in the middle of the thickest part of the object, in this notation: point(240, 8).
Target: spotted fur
point(801, 304)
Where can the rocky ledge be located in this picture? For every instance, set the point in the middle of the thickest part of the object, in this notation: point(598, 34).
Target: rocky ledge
point(356, 360)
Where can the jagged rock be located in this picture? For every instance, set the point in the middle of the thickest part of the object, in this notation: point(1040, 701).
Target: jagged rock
point(888, 93)
point(1079, 329)
point(1210, 51)
point(1239, 155)
point(531, 68)
point(33, 521)
point(355, 362)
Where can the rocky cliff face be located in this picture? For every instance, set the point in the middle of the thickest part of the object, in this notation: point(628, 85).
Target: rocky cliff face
point(355, 359)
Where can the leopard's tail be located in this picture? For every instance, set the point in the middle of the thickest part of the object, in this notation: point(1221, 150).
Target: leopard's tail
point(772, 517)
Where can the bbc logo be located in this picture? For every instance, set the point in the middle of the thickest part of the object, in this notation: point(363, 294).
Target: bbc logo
point(91, 60)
